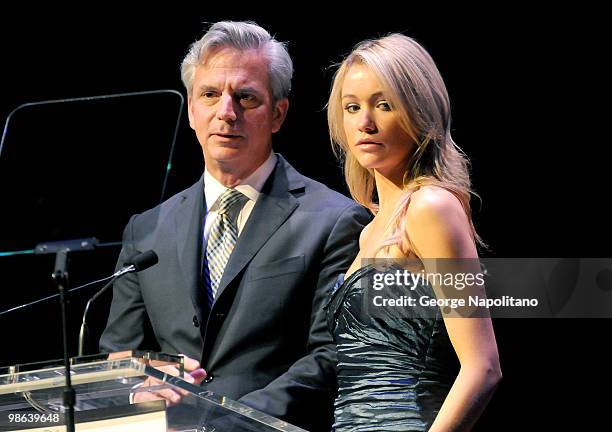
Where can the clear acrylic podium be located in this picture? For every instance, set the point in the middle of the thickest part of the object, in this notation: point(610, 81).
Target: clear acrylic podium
point(31, 398)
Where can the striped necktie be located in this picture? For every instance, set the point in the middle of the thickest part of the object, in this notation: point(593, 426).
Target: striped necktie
point(221, 241)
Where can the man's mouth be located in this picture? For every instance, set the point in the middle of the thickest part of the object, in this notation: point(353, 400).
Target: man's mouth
point(227, 135)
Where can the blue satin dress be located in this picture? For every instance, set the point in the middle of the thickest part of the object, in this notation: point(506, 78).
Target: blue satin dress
point(394, 368)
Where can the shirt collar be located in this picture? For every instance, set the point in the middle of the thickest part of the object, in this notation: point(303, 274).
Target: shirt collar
point(250, 186)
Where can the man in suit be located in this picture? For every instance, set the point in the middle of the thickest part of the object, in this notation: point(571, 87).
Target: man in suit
point(248, 254)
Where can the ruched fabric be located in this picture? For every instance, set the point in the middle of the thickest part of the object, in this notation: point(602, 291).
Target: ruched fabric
point(395, 364)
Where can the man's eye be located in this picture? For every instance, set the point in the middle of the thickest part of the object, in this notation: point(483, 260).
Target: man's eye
point(209, 95)
point(248, 100)
point(352, 108)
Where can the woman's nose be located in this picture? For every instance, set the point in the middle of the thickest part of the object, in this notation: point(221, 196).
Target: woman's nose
point(366, 122)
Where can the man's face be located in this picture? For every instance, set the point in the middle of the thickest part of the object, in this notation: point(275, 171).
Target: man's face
point(232, 112)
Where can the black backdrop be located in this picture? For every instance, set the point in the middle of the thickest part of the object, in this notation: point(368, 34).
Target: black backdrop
point(518, 83)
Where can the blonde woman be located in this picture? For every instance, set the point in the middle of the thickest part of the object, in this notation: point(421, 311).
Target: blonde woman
point(389, 118)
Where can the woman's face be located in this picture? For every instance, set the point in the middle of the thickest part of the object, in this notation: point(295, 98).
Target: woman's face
point(372, 125)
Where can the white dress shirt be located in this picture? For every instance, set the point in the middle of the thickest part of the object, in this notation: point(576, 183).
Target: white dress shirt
point(250, 187)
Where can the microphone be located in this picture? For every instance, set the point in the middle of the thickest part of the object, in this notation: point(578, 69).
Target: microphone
point(143, 261)
point(134, 264)
point(137, 262)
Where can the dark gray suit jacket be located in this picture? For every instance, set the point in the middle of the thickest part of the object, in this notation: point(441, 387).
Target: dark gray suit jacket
point(265, 341)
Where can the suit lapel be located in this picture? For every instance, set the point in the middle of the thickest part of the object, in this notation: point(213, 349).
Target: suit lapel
point(188, 225)
point(274, 205)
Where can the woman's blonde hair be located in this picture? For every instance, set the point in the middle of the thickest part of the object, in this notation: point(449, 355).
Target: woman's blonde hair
point(414, 87)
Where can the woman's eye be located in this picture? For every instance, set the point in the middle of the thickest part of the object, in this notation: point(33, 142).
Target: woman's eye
point(385, 106)
point(352, 108)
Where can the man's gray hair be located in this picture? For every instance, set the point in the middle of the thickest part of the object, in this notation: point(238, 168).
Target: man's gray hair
point(242, 36)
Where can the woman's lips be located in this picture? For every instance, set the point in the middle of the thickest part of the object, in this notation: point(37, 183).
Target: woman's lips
point(368, 145)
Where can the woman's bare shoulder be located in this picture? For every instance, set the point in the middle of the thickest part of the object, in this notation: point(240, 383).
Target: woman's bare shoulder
point(437, 224)
point(433, 202)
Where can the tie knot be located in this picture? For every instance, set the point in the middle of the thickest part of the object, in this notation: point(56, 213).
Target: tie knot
point(229, 198)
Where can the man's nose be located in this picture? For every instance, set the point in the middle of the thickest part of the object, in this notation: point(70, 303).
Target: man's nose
point(226, 110)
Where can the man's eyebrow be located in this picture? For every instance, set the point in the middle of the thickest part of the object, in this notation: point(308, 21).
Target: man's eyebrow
point(241, 90)
point(206, 88)
point(248, 90)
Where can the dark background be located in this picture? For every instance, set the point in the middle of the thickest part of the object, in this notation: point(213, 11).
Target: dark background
point(525, 91)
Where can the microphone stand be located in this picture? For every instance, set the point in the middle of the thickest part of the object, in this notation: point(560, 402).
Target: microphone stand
point(60, 276)
point(84, 328)
point(110, 283)
point(136, 263)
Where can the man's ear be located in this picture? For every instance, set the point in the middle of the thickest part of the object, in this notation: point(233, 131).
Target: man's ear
point(279, 114)
point(189, 113)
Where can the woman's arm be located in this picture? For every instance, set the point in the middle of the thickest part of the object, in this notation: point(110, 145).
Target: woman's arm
point(439, 228)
